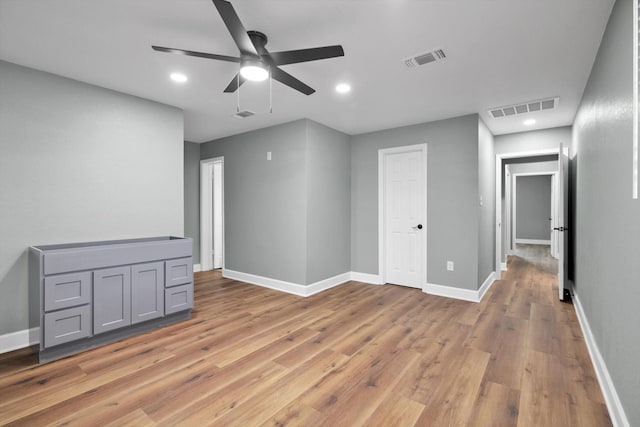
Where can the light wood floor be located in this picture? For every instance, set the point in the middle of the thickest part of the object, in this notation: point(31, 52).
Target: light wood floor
point(354, 355)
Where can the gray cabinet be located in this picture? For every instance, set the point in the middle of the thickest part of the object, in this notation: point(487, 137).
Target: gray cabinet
point(82, 295)
point(147, 291)
point(111, 299)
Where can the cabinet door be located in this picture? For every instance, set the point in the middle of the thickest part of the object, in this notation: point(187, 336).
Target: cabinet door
point(111, 299)
point(147, 291)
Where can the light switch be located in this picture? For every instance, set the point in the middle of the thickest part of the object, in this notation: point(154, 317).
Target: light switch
point(268, 155)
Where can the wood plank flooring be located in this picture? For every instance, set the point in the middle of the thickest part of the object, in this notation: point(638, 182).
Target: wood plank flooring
point(355, 355)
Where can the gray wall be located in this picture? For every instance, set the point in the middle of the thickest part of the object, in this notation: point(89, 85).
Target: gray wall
point(328, 202)
point(192, 196)
point(265, 203)
point(79, 163)
point(487, 209)
point(452, 197)
point(607, 270)
point(533, 207)
point(533, 140)
point(534, 167)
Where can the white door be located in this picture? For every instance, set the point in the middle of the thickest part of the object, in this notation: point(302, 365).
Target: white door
point(212, 213)
point(553, 218)
point(217, 215)
point(405, 217)
point(562, 222)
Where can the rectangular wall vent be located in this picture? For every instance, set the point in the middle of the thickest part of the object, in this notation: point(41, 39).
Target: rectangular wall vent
point(244, 114)
point(424, 58)
point(525, 107)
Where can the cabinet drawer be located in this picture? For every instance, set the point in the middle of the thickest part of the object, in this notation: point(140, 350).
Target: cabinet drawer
point(67, 290)
point(67, 325)
point(178, 298)
point(178, 271)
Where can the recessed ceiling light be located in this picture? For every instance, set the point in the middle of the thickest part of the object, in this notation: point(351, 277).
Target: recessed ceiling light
point(529, 122)
point(178, 77)
point(343, 88)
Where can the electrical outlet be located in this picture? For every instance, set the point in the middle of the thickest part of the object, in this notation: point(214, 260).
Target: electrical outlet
point(450, 265)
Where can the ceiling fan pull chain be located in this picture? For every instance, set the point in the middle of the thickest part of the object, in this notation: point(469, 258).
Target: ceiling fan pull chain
point(238, 94)
point(270, 93)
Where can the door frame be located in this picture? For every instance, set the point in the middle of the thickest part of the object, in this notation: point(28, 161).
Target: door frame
point(500, 266)
point(206, 211)
point(382, 155)
point(508, 213)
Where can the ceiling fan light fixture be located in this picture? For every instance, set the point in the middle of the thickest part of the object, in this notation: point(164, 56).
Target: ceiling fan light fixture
point(254, 70)
point(178, 77)
point(343, 88)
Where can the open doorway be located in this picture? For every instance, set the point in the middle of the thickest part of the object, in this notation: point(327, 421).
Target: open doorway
point(534, 217)
point(212, 213)
point(544, 237)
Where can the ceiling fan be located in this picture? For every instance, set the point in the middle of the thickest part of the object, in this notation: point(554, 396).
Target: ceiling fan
point(256, 62)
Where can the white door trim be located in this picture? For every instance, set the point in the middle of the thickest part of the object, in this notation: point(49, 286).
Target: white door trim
point(206, 212)
point(508, 220)
point(499, 158)
point(382, 153)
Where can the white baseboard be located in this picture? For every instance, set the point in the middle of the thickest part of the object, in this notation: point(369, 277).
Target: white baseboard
point(503, 266)
point(533, 242)
point(486, 285)
point(288, 287)
point(372, 279)
point(459, 293)
point(266, 282)
point(329, 283)
point(451, 292)
point(19, 339)
point(616, 411)
point(197, 268)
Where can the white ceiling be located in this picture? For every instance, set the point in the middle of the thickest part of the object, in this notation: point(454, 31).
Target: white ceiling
point(499, 52)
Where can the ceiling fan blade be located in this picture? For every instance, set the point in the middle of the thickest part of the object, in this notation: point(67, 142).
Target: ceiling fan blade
point(233, 85)
point(196, 54)
point(235, 27)
point(287, 79)
point(305, 55)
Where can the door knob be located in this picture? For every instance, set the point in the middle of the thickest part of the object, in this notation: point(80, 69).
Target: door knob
point(419, 226)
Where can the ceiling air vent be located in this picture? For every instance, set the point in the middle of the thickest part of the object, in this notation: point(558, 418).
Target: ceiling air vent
point(524, 107)
point(244, 114)
point(424, 58)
